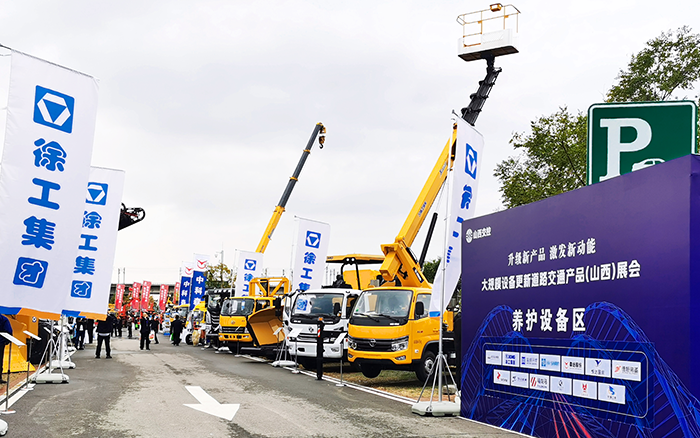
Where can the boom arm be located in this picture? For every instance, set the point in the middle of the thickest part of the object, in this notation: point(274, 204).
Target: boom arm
point(277, 214)
point(399, 260)
point(398, 257)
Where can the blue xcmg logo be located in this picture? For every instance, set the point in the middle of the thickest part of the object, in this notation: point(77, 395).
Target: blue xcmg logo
point(471, 160)
point(249, 265)
point(53, 109)
point(97, 193)
point(313, 239)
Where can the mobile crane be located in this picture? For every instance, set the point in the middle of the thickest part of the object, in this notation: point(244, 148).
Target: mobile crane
point(233, 325)
point(390, 327)
point(381, 328)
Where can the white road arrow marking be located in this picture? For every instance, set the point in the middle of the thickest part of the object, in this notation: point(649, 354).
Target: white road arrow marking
point(209, 405)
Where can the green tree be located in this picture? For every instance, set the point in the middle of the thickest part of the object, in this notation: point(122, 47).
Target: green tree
point(552, 157)
point(218, 276)
point(430, 269)
point(668, 63)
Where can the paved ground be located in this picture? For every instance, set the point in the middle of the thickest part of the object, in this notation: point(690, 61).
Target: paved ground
point(143, 394)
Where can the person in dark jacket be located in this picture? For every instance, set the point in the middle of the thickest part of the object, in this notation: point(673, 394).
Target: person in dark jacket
point(129, 325)
point(155, 326)
point(80, 324)
point(119, 327)
point(104, 331)
point(90, 328)
point(176, 330)
point(145, 331)
point(5, 327)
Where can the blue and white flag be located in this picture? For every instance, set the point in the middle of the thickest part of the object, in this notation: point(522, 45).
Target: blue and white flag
point(185, 287)
point(186, 273)
point(198, 280)
point(249, 266)
point(462, 199)
point(92, 270)
point(311, 249)
point(45, 167)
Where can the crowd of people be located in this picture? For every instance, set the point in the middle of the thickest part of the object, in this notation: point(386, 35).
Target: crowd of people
point(147, 325)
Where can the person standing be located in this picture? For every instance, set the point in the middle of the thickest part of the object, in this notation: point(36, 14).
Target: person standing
point(145, 331)
point(104, 331)
point(119, 327)
point(80, 333)
point(176, 330)
point(155, 326)
point(129, 325)
point(5, 327)
point(90, 327)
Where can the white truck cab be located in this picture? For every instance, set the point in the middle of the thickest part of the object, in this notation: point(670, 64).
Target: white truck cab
point(335, 307)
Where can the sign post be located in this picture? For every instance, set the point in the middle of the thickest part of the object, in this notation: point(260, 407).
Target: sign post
point(624, 137)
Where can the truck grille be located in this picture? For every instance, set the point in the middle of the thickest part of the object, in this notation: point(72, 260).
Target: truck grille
point(373, 344)
point(239, 330)
point(307, 337)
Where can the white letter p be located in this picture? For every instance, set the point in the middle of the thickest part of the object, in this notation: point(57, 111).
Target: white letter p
point(616, 147)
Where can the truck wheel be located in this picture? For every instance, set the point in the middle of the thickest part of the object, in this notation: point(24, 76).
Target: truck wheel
point(188, 339)
point(425, 366)
point(355, 367)
point(370, 371)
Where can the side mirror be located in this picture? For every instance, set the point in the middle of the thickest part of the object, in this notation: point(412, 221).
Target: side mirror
point(420, 309)
point(336, 309)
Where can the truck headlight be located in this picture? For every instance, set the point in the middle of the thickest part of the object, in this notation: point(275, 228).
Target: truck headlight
point(352, 343)
point(400, 344)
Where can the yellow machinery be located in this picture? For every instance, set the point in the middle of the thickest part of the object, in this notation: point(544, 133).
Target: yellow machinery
point(358, 278)
point(390, 327)
point(320, 131)
point(20, 355)
point(238, 313)
point(232, 326)
point(195, 324)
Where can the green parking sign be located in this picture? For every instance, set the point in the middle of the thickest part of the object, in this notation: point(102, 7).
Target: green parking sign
point(624, 137)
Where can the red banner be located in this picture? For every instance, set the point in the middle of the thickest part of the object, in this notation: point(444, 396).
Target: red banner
point(163, 298)
point(119, 298)
point(145, 294)
point(135, 290)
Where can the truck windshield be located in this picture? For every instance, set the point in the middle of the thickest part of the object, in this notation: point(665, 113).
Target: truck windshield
point(197, 316)
point(392, 304)
point(214, 302)
point(317, 304)
point(238, 307)
point(183, 312)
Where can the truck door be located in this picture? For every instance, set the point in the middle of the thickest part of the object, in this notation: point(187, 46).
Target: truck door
point(422, 329)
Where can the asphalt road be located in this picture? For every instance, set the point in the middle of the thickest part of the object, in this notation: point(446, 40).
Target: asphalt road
point(143, 394)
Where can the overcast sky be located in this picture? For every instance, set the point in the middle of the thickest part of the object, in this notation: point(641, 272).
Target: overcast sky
point(207, 106)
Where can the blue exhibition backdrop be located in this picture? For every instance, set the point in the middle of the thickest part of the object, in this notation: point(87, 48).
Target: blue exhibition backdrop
point(580, 312)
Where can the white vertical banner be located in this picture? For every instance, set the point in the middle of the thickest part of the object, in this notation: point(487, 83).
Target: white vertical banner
point(92, 269)
point(186, 269)
point(311, 249)
point(464, 182)
point(249, 266)
point(186, 272)
point(45, 167)
point(201, 262)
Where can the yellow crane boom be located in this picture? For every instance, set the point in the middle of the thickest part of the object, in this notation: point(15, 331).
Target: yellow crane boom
point(399, 261)
point(277, 214)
